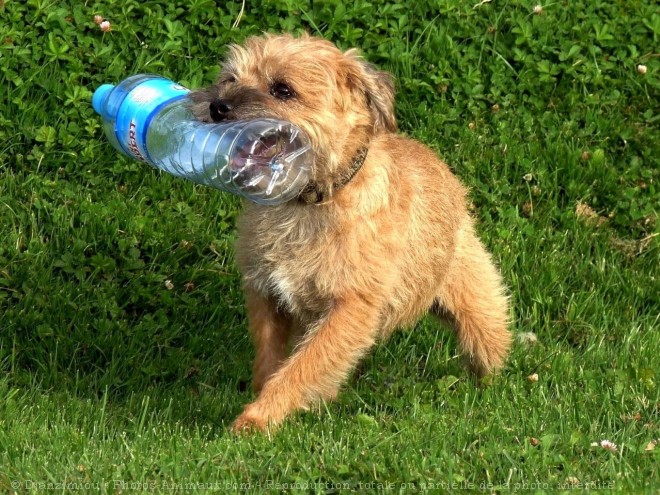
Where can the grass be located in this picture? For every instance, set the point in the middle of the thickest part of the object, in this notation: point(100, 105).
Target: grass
point(111, 381)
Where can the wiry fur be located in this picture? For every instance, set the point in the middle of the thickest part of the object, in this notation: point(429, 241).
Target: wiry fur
point(397, 241)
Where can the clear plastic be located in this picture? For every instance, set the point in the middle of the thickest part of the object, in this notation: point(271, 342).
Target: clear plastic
point(149, 118)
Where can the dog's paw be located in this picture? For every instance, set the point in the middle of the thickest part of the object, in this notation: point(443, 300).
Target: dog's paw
point(249, 421)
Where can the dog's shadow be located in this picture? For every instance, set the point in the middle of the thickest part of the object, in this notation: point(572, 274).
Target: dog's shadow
point(179, 352)
point(190, 363)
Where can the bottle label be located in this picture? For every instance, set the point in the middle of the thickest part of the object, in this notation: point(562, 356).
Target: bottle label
point(137, 111)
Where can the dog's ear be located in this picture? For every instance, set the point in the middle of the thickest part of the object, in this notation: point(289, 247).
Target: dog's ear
point(377, 87)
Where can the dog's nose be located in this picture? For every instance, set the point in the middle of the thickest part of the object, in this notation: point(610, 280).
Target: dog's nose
point(220, 109)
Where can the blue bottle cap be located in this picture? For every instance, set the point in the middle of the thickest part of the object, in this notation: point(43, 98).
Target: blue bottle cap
point(100, 96)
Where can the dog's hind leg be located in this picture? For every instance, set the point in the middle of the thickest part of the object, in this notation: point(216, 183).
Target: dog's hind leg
point(472, 298)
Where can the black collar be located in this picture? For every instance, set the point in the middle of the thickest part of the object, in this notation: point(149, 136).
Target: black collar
point(313, 194)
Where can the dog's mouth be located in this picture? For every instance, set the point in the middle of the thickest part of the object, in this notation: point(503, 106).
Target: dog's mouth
point(259, 162)
point(262, 152)
point(270, 158)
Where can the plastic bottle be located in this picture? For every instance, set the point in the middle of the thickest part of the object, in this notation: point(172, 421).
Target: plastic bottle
point(149, 118)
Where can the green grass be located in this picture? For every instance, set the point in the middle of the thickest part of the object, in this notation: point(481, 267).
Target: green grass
point(109, 378)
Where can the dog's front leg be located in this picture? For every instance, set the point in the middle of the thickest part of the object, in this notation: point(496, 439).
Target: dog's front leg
point(270, 330)
point(318, 366)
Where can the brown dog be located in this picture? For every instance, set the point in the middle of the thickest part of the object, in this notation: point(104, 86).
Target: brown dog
point(380, 236)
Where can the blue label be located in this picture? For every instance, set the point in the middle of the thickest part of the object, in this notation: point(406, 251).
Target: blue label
point(137, 110)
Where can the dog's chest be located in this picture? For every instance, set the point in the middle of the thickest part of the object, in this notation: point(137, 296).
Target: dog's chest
point(296, 261)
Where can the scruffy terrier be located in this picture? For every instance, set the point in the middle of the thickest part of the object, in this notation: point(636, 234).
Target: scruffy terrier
point(379, 236)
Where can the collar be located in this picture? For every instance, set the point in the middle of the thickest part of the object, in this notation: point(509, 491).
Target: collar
point(313, 194)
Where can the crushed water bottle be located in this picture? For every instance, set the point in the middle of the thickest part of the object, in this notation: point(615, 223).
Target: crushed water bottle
point(149, 118)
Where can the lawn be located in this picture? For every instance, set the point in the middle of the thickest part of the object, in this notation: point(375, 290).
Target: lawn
point(124, 353)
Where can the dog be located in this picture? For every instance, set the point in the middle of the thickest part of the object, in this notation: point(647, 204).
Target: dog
point(380, 236)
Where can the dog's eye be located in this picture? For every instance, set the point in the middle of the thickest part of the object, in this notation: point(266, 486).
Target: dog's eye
point(228, 80)
point(282, 91)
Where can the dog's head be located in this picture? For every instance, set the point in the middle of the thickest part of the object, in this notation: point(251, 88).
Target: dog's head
point(339, 100)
